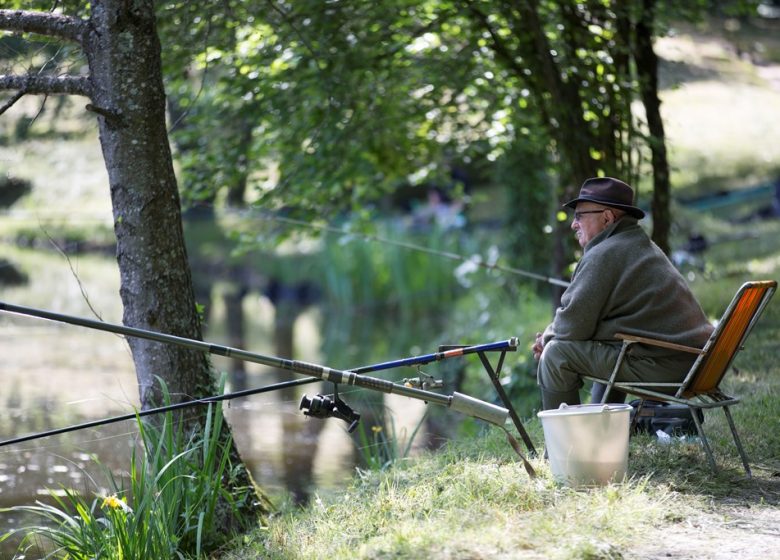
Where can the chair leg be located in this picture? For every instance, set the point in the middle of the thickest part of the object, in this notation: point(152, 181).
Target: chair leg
point(635, 419)
point(738, 443)
point(704, 441)
point(621, 356)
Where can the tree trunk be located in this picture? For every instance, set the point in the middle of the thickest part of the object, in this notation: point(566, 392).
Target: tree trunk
point(647, 70)
point(156, 285)
point(126, 89)
point(123, 51)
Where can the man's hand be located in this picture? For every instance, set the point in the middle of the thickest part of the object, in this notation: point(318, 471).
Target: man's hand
point(538, 346)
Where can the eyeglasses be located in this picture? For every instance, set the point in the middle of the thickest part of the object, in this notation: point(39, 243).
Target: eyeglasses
point(578, 215)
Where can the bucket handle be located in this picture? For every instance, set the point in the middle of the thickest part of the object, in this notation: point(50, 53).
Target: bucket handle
point(604, 407)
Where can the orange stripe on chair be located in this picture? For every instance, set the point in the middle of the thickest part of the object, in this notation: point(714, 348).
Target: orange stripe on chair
point(721, 354)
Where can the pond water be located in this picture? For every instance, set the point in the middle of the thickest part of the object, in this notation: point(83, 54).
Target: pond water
point(56, 375)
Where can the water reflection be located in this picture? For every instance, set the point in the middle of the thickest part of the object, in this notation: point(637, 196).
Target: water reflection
point(57, 375)
point(36, 469)
point(10, 275)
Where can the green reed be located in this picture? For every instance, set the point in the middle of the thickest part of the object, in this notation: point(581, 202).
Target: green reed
point(167, 506)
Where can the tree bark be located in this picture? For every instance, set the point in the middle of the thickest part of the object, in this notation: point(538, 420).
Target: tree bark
point(156, 285)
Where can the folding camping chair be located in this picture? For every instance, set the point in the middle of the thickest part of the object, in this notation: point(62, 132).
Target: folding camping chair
point(701, 387)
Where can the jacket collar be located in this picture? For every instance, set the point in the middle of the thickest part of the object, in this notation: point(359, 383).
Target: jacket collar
point(624, 223)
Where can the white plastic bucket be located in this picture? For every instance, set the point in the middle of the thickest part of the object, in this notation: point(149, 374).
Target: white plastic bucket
point(587, 444)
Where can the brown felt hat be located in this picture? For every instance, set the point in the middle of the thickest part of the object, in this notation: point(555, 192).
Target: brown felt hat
point(609, 192)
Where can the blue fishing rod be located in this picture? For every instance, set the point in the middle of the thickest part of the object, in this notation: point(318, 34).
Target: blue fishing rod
point(319, 406)
point(449, 352)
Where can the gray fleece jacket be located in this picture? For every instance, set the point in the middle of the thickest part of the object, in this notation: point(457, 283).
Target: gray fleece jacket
point(624, 283)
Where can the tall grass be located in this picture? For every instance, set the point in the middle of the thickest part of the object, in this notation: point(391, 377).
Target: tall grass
point(170, 509)
point(381, 447)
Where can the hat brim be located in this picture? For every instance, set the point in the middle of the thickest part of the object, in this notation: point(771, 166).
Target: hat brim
point(630, 210)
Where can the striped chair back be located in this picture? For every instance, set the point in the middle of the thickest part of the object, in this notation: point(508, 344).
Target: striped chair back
point(727, 339)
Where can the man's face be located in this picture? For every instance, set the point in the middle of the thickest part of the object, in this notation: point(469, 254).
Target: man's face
point(589, 220)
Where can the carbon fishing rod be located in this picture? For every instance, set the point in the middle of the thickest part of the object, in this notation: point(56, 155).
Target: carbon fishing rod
point(457, 401)
point(319, 406)
point(414, 247)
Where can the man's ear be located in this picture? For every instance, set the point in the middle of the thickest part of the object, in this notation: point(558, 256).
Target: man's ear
point(611, 218)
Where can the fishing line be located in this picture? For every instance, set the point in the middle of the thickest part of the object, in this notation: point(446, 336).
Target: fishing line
point(39, 448)
point(475, 260)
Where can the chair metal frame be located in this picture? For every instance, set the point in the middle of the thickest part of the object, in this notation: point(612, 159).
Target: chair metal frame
point(700, 389)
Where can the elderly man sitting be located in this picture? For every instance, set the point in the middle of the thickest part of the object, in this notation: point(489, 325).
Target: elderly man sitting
point(623, 284)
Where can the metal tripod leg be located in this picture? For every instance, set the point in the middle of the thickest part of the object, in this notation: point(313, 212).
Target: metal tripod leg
point(637, 413)
point(493, 374)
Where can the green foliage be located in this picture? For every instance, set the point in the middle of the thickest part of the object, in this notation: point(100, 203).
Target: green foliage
point(321, 110)
point(69, 7)
point(368, 286)
point(366, 273)
point(530, 215)
point(304, 94)
point(170, 509)
point(359, 265)
point(328, 108)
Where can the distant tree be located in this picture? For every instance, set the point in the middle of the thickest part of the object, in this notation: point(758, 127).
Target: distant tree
point(348, 101)
point(647, 75)
point(123, 84)
point(333, 105)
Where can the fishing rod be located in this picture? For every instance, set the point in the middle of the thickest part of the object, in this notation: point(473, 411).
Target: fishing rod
point(443, 353)
point(415, 247)
point(318, 406)
point(313, 407)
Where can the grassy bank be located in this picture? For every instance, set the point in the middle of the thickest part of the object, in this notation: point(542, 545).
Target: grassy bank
point(474, 499)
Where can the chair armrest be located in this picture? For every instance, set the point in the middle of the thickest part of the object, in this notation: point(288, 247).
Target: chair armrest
point(660, 343)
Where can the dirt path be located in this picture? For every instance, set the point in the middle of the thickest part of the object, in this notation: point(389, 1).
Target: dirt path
point(744, 526)
point(744, 533)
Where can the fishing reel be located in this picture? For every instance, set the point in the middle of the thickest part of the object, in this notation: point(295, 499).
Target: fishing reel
point(424, 381)
point(330, 406)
